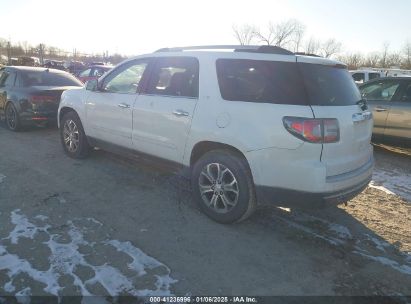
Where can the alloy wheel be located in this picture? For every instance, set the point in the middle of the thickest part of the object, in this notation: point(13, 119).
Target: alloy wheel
point(71, 135)
point(11, 117)
point(218, 187)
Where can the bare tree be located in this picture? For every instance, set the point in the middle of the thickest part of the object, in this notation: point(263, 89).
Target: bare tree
point(394, 60)
point(407, 55)
point(353, 61)
point(244, 34)
point(384, 55)
point(298, 36)
point(330, 47)
point(312, 46)
point(372, 60)
point(280, 34)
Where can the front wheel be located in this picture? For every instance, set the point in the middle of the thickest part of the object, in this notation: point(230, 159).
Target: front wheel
point(223, 186)
point(72, 136)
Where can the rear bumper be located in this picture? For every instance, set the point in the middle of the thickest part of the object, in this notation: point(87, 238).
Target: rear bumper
point(287, 179)
point(38, 116)
point(293, 198)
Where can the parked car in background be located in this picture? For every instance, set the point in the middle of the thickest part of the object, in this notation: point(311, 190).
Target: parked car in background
point(93, 72)
point(31, 95)
point(389, 99)
point(28, 61)
point(74, 67)
point(249, 124)
point(362, 76)
point(54, 64)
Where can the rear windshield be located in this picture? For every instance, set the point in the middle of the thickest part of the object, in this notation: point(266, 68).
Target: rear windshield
point(44, 78)
point(329, 85)
point(260, 81)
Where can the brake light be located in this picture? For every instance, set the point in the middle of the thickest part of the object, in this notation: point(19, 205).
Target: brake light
point(323, 130)
point(42, 98)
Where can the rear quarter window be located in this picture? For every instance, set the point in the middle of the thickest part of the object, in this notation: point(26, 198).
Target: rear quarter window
point(329, 85)
point(260, 81)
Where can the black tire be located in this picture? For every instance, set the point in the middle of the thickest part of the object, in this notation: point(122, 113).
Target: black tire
point(12, 118)
point(237, 176)
point(70, 127)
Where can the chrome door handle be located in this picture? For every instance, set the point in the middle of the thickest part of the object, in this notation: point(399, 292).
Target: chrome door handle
point(180, 113)
point(123, 105)
point(379, 109)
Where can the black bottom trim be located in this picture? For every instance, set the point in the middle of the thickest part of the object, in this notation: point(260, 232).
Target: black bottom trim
point(292, 198)
point(135, 155)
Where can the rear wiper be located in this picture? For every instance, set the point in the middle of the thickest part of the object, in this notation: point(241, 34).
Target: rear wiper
point(363, 104)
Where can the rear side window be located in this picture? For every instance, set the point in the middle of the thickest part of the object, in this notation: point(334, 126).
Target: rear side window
point(260, 81)
point(175, 76)
point(329, 85)
point(374, 75)
point(359, 77)
point(44, 78)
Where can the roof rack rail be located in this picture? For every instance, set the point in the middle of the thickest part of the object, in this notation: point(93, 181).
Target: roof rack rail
point(307, 54)
point(266, 49)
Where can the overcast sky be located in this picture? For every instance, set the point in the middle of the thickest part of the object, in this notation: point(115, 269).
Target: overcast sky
point(135, 27)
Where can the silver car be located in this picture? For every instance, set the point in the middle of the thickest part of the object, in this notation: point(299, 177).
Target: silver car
point(389, 99)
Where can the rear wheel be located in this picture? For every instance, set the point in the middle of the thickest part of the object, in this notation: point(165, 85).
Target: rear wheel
point(223, 186)
point(12, 118)
point(72, 136)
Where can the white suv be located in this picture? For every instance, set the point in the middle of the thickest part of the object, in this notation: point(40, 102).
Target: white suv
point(248, 124)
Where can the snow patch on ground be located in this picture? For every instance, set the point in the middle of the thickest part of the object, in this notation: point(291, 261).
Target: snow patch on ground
point(339, 235)
point(392, 182)
point(406, 269)
point(66, 258)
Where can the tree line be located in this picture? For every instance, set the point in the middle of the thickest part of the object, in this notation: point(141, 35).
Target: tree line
point(19, 49)
point(290, 34)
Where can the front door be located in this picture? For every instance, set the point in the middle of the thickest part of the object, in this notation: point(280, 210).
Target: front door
point(379, 95)
point(109, 109)
point(399, 117)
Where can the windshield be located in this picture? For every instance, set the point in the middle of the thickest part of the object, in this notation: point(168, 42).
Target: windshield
point(44, 78)
point(329, 85)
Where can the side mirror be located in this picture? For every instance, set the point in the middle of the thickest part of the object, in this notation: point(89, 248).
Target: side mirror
point(92, 85)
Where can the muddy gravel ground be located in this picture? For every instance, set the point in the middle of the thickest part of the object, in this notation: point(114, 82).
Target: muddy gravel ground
point(110, 226)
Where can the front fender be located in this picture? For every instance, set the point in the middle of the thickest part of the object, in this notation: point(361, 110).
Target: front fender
point(73, 99)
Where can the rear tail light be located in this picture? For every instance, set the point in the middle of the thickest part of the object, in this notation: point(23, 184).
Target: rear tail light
point(313, 130)
point(42, 98)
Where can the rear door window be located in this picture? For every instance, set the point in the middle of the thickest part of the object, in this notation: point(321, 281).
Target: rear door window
point(175, 76)
point(329, 85)
point(260, 81)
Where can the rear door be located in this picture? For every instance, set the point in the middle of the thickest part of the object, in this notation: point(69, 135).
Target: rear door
point(399, 116)
point(162, 114)
point(332, 93)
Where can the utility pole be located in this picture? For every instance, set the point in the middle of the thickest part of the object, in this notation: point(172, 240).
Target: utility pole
point(8, 53)
point(41, 53)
